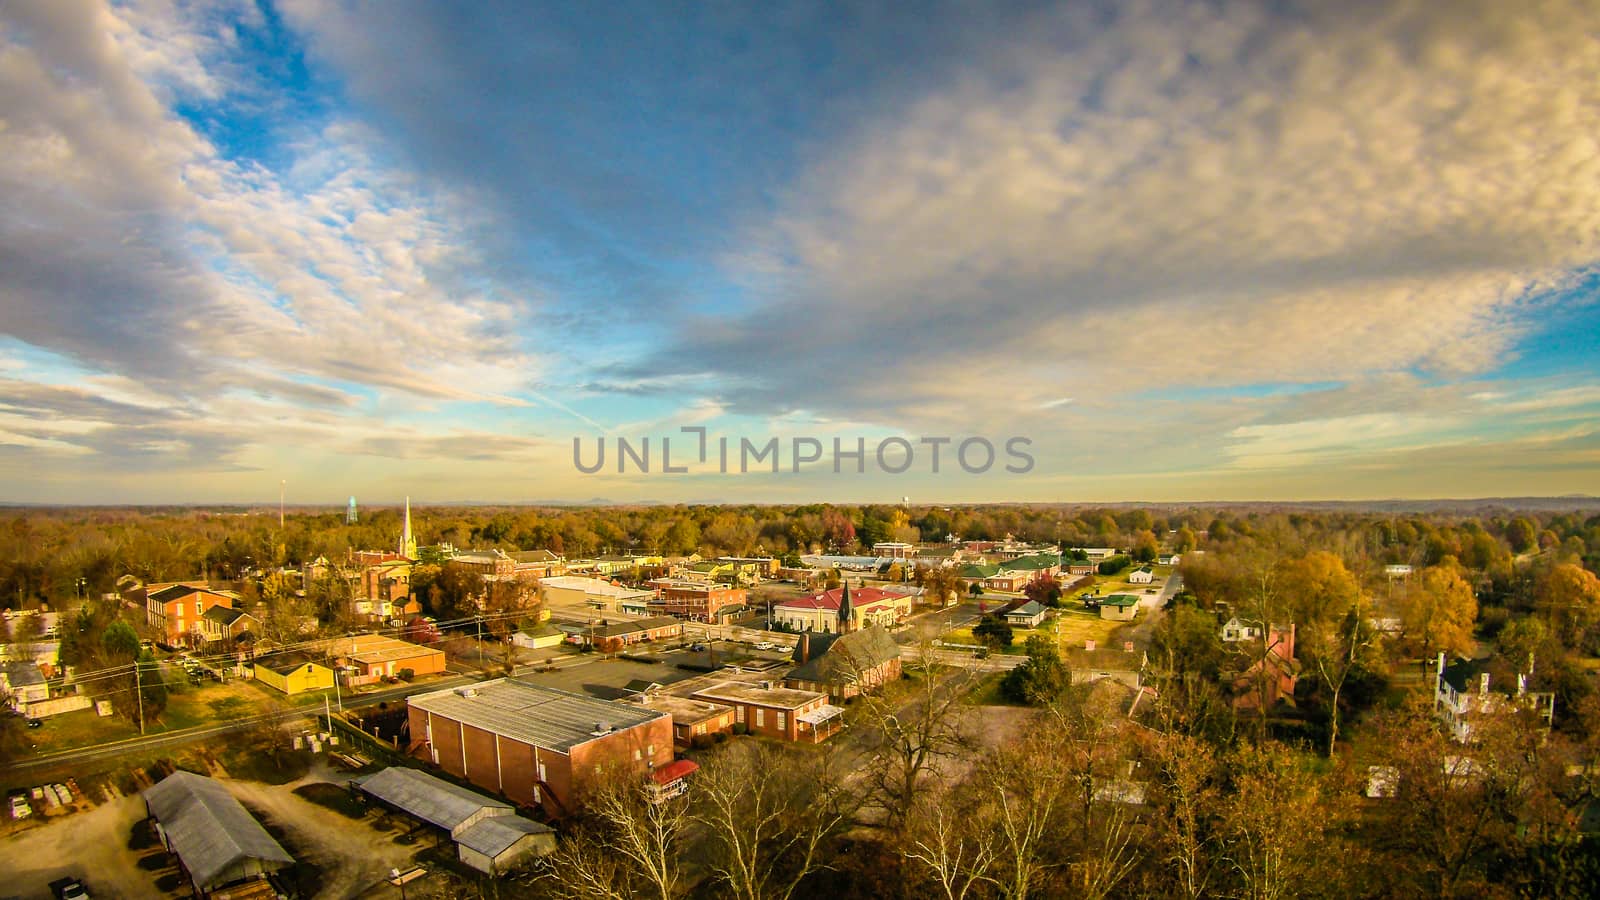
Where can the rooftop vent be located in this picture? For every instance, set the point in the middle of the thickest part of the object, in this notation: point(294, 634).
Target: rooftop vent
point(468, 692)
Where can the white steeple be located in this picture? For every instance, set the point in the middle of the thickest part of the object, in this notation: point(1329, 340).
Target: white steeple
point(408, 544)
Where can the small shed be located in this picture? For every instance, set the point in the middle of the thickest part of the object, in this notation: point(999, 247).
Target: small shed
point(1119, 607)
point(495, 845)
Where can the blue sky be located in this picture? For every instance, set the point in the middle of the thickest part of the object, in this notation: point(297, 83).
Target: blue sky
point(1221, 250)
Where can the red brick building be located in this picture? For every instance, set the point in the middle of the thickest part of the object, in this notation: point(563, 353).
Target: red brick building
point(177, 611)
point(690, 718)
point(697, 601)
point(538, 746)
point(611, 637)
point(771, 710)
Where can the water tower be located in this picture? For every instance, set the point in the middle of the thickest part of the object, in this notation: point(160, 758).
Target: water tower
point(350, 513)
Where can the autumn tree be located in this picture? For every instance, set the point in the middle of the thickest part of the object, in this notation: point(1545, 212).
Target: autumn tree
point(1438, 610)
point(1568, 596)
point(1280, 823)
point(1044, 590)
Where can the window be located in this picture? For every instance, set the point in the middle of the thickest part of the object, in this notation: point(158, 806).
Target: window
point(738, 712)
point(761, 716)
point(781, 720)
point(636, 756)
point(650, 749)
point(541, 772)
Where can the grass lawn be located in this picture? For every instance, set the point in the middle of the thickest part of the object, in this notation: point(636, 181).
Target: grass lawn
point(1071, 627)
point(78, 729)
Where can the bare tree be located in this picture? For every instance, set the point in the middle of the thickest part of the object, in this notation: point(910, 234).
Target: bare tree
point(768, 812)
point(624, 845)
point(959, 857)
point(1187, 770)
point(909, 730)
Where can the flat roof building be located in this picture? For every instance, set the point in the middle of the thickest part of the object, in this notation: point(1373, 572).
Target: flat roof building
point(536, 745)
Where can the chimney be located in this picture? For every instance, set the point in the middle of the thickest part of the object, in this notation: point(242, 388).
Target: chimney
point(805, 646)
point(1441, 663)
point(1088, 645)
point(1483, 684)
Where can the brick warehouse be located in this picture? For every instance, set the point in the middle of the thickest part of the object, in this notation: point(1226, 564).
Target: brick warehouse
point(536, 745)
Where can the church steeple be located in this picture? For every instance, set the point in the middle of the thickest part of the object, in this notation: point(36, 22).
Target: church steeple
point(408, 544)
point(846, 610)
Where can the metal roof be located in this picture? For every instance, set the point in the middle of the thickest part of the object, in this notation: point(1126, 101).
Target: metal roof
point(495, 835)
point(542, 716)
point(756, 695)
point(433, 800)
point(208, 829)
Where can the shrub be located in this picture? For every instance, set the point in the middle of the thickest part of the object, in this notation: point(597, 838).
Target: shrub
point(406, 674)
point(741, 728)
point(1113, 565)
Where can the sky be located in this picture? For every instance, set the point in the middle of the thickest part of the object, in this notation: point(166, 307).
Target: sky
point(1184, 251)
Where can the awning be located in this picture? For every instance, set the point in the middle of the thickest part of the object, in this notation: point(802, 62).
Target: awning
point(671, 772)
point(821, 714)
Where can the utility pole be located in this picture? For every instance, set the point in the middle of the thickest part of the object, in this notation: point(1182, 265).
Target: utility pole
point(138, 689)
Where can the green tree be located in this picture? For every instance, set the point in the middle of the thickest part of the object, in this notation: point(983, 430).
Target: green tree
point(1521, 535)
point(994, 631)
point(120, 643)
point(1043, 679)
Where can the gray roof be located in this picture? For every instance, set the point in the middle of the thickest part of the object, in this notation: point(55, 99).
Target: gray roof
point(208, 829)
point(224, 615)
point(534, 714)
point(1030, 609)
point(847, 655)
point(433, 800)
point(22, 673)
point(495, 835)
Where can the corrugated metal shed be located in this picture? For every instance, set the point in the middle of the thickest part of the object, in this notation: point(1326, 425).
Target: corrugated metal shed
point(213, 834)
point(534, 714)
point(494, 836)
point(433, 800)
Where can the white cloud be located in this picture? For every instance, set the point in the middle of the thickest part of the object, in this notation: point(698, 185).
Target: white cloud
point(1295, 195)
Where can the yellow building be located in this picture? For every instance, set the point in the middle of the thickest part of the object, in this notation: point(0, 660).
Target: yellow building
point(293, 673)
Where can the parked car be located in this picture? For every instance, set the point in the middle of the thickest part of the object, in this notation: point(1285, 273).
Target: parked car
point(765, 645)
point(697, 648)
point(20, 808)
point(35, 723)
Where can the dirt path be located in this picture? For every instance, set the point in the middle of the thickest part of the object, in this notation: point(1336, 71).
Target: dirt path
point(353, 855)
point(92, 846)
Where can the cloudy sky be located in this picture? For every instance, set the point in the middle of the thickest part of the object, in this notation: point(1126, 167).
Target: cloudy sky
point(1221, 250)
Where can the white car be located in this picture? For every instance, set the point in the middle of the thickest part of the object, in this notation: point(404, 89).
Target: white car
point(765, 645)
point(20, 808)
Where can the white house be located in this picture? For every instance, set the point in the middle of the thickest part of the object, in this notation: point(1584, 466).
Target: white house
point(1462, 698)
point(1028, 615)
point(1142, 575)
point(1237, 629)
